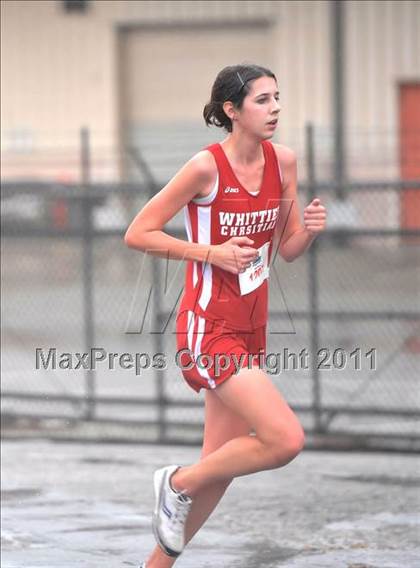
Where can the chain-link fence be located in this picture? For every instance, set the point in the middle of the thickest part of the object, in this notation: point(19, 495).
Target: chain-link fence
point(85, 318)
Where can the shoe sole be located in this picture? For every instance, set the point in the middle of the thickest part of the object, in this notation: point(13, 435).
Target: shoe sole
point(158, 481)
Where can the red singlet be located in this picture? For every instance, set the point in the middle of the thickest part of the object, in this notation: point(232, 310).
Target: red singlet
point(230, 210)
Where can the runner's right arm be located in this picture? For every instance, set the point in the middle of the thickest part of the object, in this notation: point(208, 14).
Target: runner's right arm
point(146, 234)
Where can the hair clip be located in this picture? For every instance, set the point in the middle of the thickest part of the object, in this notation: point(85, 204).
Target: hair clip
point(241, 80)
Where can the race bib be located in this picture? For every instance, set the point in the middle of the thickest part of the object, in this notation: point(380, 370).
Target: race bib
point(255, 275)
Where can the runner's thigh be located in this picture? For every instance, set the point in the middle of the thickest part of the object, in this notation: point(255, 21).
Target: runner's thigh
point(252, 395)
point(221, 424)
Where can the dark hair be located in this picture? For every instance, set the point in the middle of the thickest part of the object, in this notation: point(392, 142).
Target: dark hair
point(231, 84)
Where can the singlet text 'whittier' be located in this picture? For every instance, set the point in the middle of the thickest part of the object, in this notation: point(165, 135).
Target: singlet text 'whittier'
point(238, 224)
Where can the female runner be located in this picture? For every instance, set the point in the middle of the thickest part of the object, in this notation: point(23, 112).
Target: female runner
point(237, 196)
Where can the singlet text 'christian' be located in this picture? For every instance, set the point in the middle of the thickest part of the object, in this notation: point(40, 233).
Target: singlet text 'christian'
point(238, 224)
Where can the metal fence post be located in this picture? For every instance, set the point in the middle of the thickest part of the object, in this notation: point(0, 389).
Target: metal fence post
point(158, 312)
point(158, 344)
point(87, 267)
point(313, 287)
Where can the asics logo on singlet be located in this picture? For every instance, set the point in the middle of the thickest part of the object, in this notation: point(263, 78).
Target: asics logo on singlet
point(229, 189)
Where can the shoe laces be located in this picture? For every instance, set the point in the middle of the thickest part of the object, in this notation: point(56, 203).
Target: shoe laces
point(182, 509)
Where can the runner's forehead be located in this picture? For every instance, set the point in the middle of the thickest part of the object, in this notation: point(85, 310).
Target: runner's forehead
point(263, 86)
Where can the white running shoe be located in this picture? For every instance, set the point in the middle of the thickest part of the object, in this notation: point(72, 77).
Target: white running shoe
point(171, 511)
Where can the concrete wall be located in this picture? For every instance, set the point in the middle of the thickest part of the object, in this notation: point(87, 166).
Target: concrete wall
point(61, 71)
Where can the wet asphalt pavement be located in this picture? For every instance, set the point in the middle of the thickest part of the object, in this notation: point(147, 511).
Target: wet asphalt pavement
point(89, 505)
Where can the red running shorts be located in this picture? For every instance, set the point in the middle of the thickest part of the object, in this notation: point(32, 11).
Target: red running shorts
point(209, 352)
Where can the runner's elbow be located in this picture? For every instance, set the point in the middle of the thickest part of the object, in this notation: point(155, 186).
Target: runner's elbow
point(286, 255)
point(133, 239)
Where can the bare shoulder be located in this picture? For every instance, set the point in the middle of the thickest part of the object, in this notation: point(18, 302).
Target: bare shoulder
point(204, 163)
point(206, 168)
point(286, 156)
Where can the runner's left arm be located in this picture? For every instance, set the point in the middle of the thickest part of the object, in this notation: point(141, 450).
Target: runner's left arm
point(292, 236)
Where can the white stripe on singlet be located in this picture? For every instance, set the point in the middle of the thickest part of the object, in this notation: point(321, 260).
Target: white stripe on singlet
point(190, 239)
point(204, 230)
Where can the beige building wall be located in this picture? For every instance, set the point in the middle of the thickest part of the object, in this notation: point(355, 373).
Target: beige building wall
point(63, 71)
point(383, 50)
point(58, 74)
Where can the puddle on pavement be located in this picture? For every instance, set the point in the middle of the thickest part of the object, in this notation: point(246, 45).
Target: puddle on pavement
point(20, 494)
point(380, 479)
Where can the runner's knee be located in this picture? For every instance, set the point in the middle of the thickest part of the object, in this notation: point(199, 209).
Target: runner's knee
point(284, 445)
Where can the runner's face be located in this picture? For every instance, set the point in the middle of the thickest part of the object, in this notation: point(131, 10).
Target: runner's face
point(260, 107)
